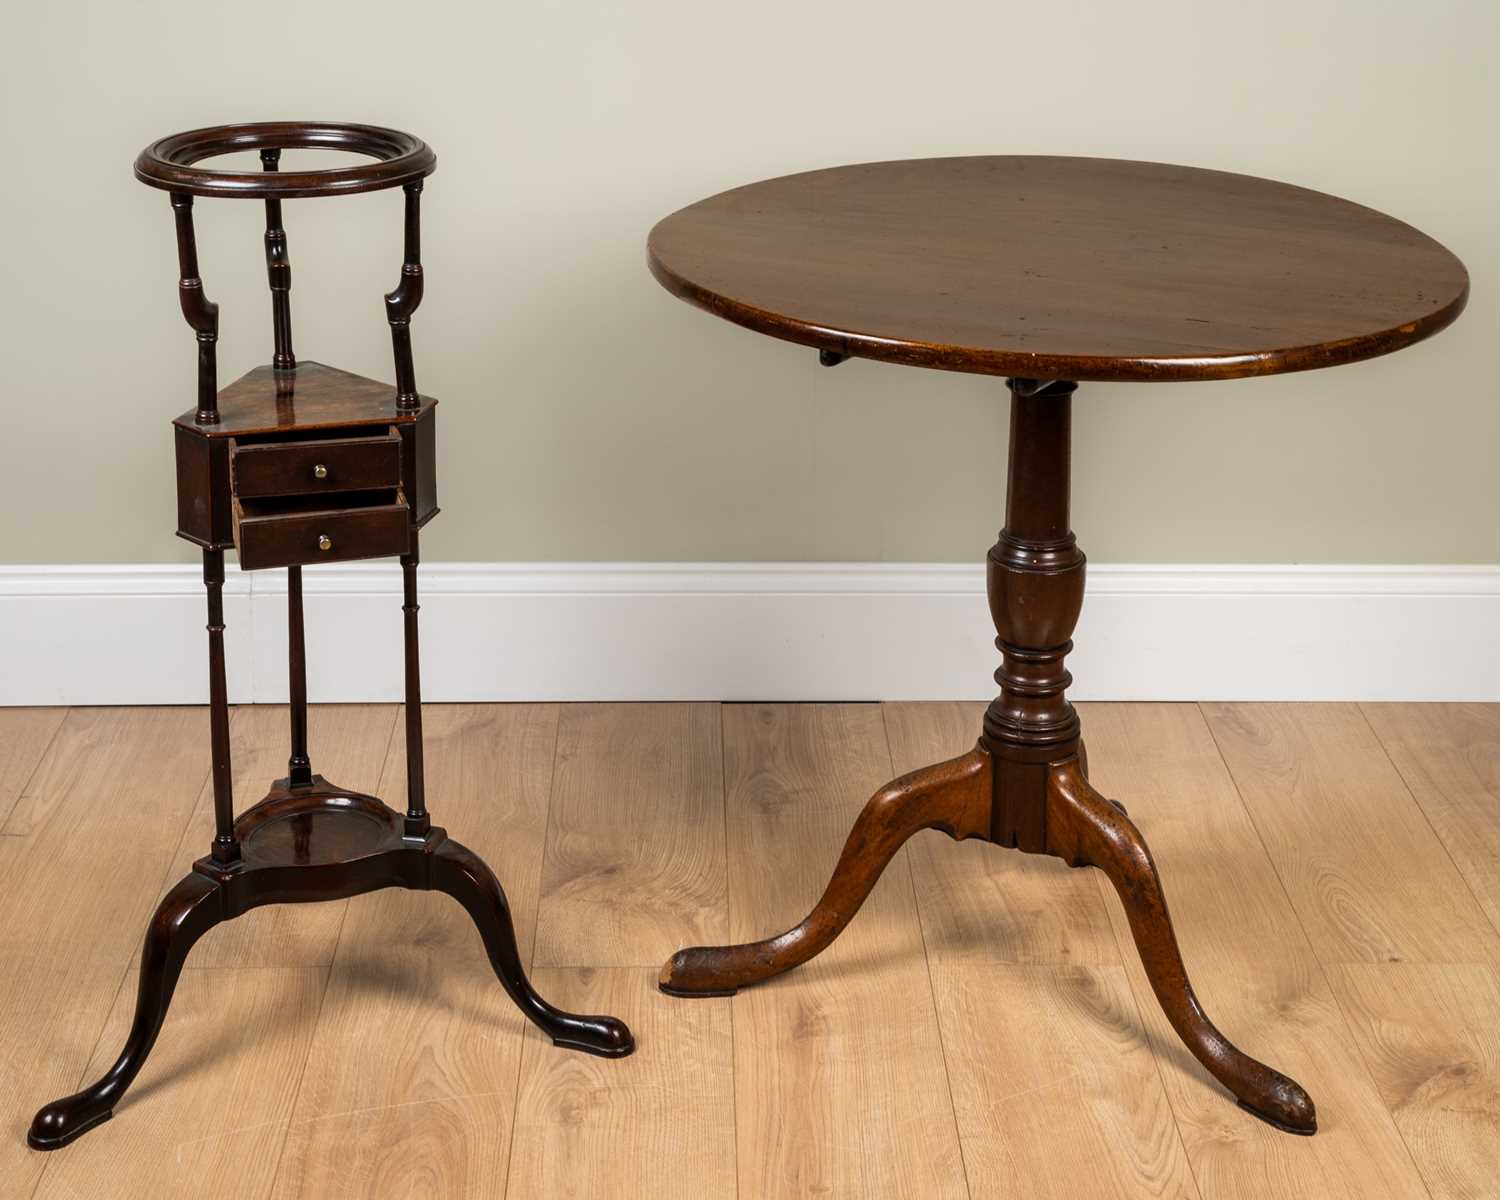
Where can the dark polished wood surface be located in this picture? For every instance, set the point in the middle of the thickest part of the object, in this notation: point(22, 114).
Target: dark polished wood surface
point(315, 467)
point(171, 162)
point(1046, 270)
point(307, 843)
point(314, 433)
point(299, 463)
point(288, 533)
point(312, 397)
point(1060, 268)
point(1025, 784)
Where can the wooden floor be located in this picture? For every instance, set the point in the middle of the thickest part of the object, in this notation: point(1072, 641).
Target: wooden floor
point(983, 1028)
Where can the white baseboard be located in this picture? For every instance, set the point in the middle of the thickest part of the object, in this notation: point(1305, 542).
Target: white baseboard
point(749, 631)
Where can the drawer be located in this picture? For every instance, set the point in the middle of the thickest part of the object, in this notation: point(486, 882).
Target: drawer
point(284, 533)
point(307, 468)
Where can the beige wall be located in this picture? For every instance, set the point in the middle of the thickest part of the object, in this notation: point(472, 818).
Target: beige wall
point(587, 415)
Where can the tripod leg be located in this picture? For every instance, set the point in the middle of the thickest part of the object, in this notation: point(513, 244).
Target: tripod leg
point(461, 873)
point(953, 796)
point(1085, 829)
point(187, 912)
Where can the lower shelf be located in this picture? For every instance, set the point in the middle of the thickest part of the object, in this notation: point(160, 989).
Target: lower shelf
point(320, 842)
point(301, 844)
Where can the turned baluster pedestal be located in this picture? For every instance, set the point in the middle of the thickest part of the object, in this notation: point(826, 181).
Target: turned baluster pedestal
point(1025, 785)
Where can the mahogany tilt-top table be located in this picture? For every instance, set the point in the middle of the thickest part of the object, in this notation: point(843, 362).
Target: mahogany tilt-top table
point(1046, 271)
point(296, 464)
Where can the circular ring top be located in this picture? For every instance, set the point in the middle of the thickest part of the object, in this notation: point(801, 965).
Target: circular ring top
point(400, 159)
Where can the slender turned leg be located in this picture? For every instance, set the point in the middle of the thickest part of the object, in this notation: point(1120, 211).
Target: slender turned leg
point(1085, 829)
point(279, 276)
point(298, 765)
point(417, 820)
point(226, 848)
point(953, 796)
point(461, 873)
point(189, 910)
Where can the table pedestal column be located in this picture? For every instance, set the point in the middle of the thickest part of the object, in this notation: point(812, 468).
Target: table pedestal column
point(1025, 785)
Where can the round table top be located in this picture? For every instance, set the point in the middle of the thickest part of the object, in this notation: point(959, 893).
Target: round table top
point(1061, 268)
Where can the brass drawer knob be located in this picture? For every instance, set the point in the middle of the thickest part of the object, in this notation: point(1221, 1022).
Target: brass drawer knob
point(320, 472)
point(325, 542)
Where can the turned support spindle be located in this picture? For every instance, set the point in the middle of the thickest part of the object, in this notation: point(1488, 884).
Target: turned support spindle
point(401, 303)
point(200, 312)
point(278, 274)
point(226, 848)
point(1034, 578)
point(417, 820)
point(298, 765)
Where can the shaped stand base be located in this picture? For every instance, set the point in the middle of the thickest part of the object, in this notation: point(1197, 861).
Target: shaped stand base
point(314, 842)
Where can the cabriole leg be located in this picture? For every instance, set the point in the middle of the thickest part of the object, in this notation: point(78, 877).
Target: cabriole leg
point(189, 910)
point(952, 796)
point(461, 873)
point(1085, 829)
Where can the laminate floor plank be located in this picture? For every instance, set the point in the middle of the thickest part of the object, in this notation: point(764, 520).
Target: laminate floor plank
point(1053, 1078)
point(211, 1103)
point(91, 834)
point(53, 1008)
point(840, 1085)
point(1369, 879)
point(410, 1082)
point(1449, 758)
point(25, 735)
point(1054, 1083)
point(94, 830)
point(982, 1028)
point(658, 1124)
point(1253, 967)
point(111, 771)
point(1430, 1035)
point(634, 867)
